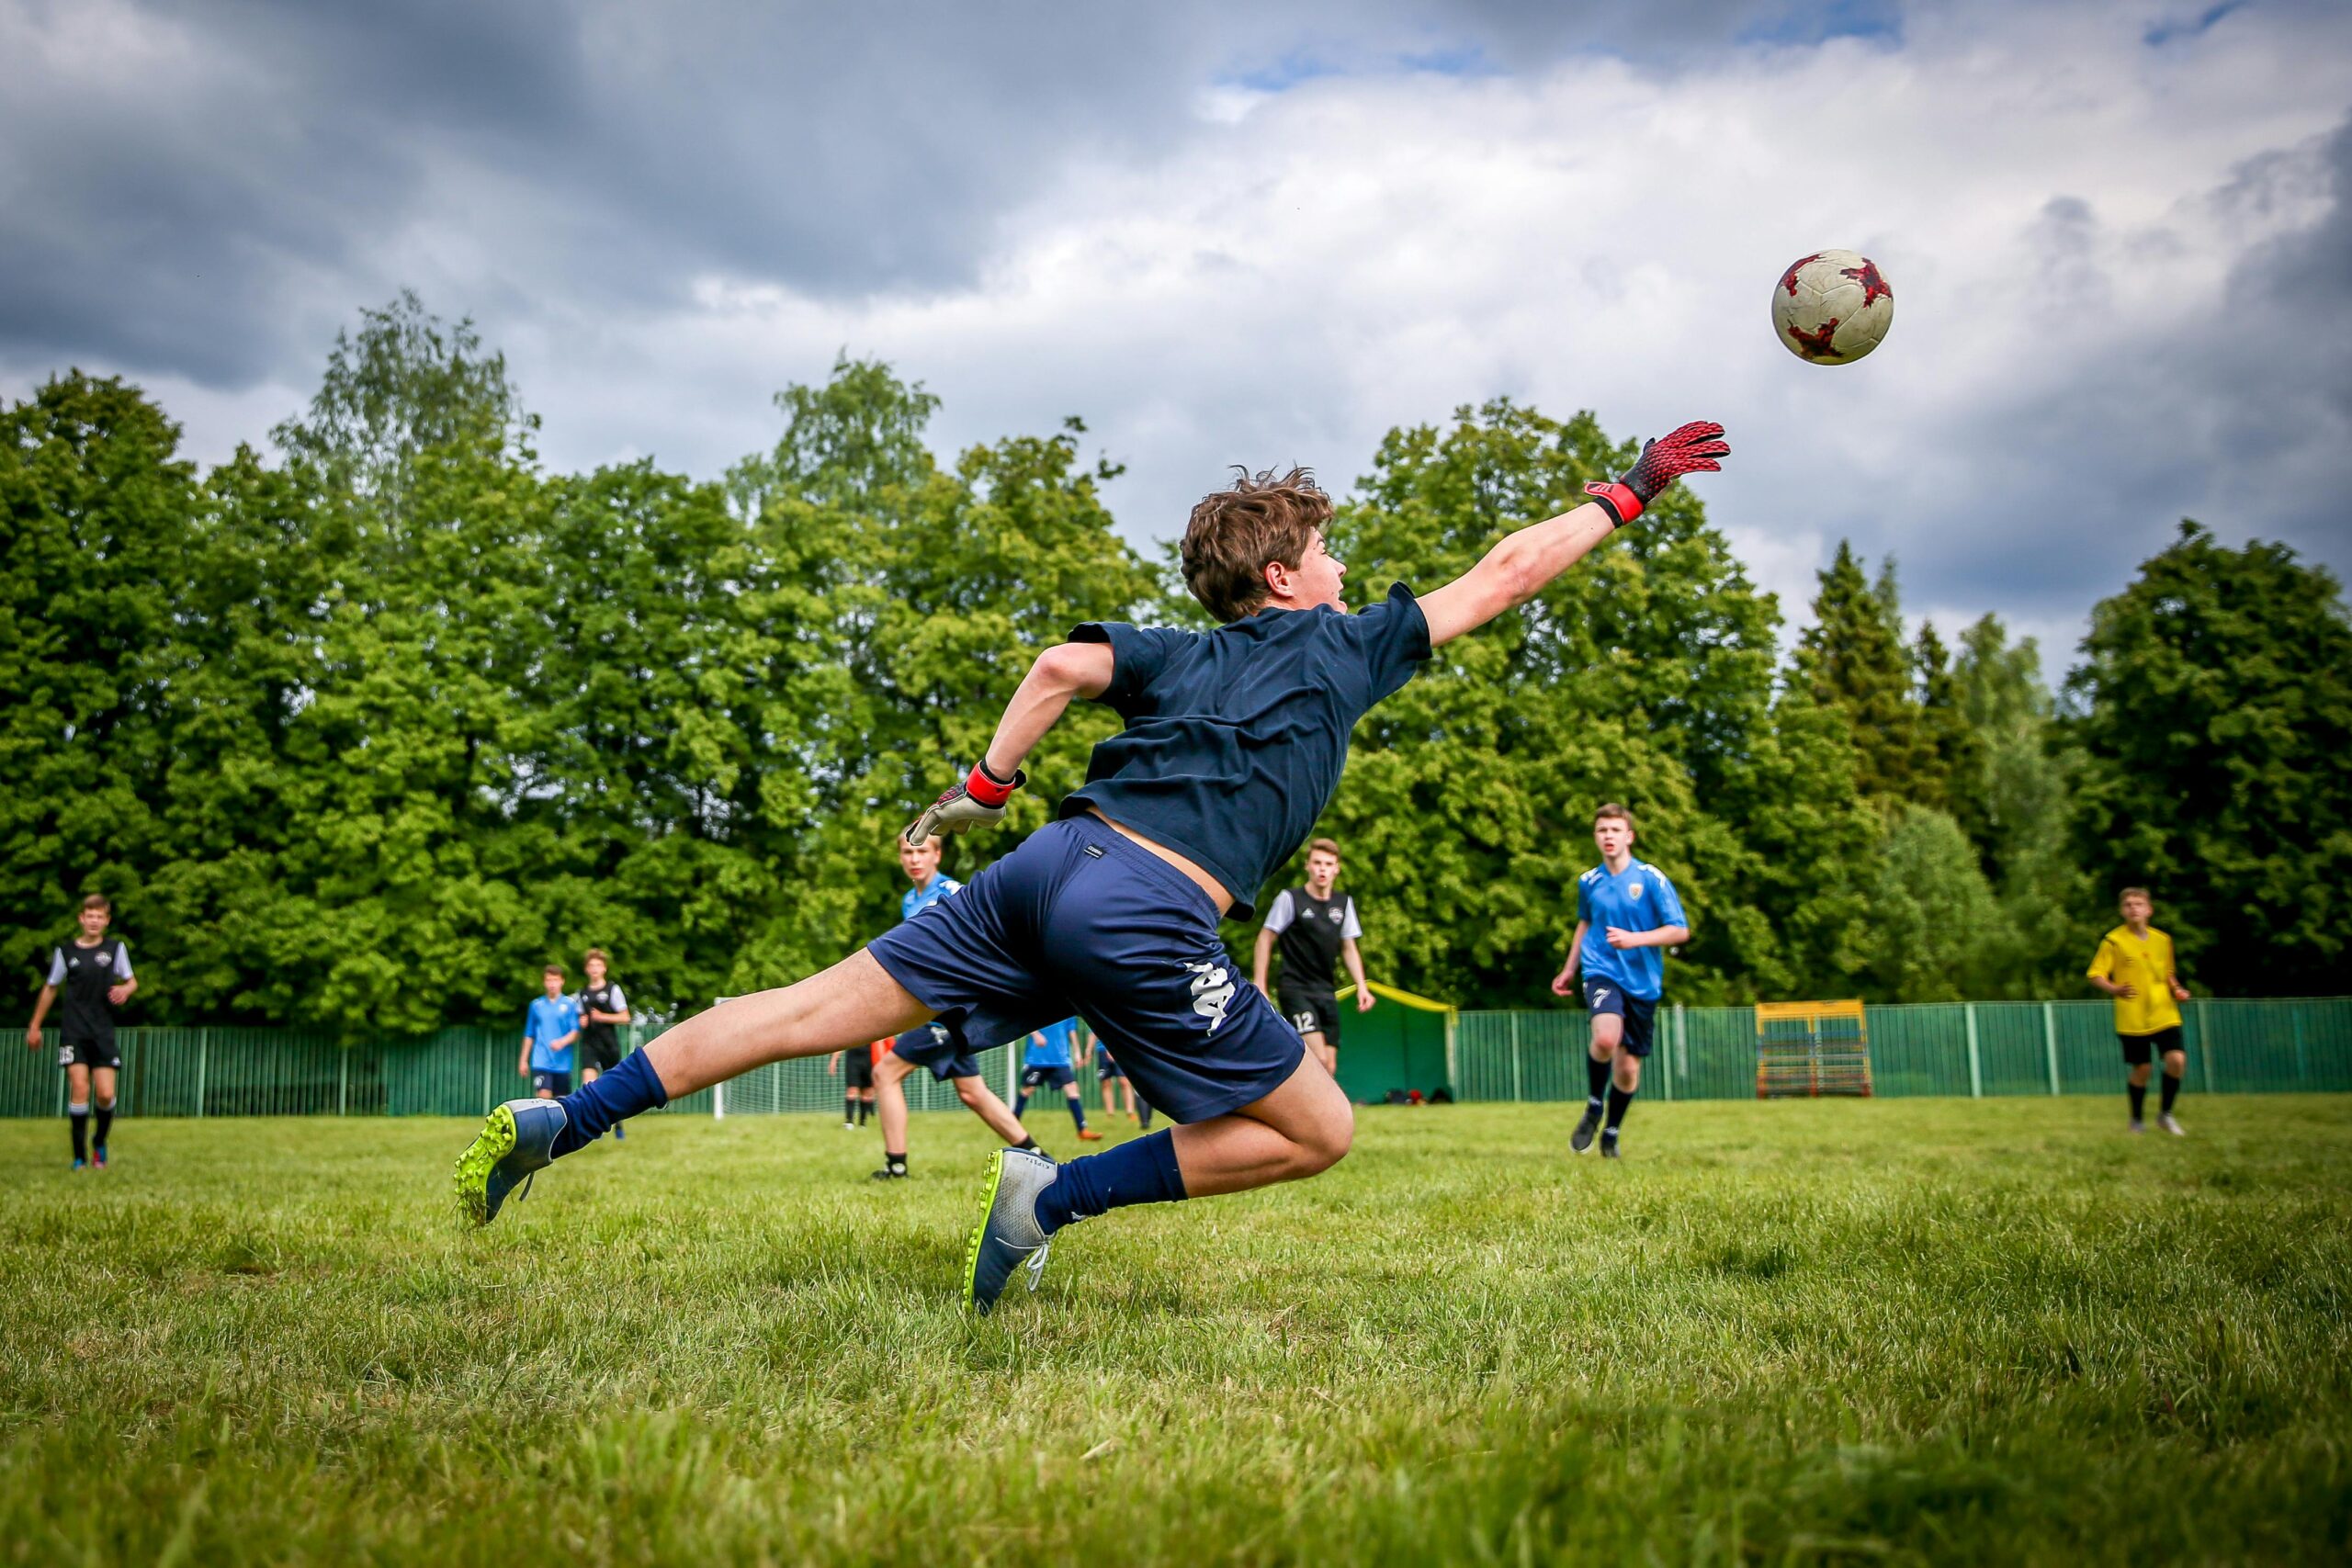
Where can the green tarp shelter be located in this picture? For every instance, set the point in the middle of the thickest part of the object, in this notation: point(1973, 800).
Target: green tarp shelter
point(1405, 1041)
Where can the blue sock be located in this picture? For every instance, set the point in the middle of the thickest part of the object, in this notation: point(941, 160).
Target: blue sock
point(1019, 1107)
point(1140, 1171)
point(1077, 1113)
point(614, 1097)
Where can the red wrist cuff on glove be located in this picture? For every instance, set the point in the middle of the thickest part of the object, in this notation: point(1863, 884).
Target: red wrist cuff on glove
point(1618, 499)
point(986, 790)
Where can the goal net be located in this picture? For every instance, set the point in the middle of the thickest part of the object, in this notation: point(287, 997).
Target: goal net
point(1810, 1049)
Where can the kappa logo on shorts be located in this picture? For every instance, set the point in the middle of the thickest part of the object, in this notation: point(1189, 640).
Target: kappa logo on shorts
point(1211, 989)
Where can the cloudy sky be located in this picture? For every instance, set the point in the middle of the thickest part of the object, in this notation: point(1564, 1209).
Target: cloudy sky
point(2119, 236)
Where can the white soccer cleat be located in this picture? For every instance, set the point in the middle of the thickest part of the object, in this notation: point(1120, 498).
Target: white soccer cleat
point(2172, 1126)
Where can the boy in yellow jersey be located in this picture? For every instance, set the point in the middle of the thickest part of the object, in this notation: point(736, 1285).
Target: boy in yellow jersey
point(2135, 966)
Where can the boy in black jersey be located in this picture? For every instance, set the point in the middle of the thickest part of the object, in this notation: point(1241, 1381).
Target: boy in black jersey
point(93, 973)
point(603, 1008)
point(1317, 930)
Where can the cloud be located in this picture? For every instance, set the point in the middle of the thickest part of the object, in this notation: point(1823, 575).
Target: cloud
point(2118, 237)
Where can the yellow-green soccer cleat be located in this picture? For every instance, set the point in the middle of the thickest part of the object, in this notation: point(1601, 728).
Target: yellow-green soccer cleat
point(1007, 1235)
point(515, 1142)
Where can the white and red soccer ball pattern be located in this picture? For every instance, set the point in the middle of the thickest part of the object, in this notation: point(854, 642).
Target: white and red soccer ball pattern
point(1832, 307)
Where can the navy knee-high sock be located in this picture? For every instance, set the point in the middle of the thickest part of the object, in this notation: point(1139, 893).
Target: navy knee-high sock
point(1143, 1115)
point(1142, 1170)
point(102, 1123)
point(1077, 1112)
point(614, 1097)
point(1596, 1078)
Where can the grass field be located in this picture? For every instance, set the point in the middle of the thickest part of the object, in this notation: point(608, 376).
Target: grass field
point(1903, 1330)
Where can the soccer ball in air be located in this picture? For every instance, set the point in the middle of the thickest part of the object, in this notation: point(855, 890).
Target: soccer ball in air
point(1832, 307)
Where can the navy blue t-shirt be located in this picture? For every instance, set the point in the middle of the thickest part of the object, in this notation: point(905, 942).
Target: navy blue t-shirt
point(1235, 739)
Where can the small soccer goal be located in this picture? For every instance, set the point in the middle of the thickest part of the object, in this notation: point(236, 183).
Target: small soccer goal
point(1810, 1049)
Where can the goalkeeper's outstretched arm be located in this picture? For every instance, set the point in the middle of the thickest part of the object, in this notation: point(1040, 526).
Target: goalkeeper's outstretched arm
point(1064, 671)
point(1525, 562)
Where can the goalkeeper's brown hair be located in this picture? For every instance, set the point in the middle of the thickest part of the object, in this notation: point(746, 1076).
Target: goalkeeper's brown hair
point(1234, 534)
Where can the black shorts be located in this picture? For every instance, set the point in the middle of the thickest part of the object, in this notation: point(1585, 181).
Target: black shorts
point(1311, 1013)
point(88, 1051)
point(1034, 1079)
point(1641, 1016)
point(857, 1068)
point(602, 1055)
point(2139, 1050)
point(557, 1083)
point(1105, 1068)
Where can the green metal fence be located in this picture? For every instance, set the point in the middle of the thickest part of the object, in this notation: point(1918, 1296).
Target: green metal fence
point(1947, 1048)
point(459, 1072)
point(1958, 1048)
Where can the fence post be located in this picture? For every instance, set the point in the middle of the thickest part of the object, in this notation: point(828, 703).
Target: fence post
point(1975, 1058)
point(343, 1089)
point(2204, 1045)
point(2050, 1041)
point(719, 1101)
point(1668, 1074)
point(203, 1050)
point(1516, 1096)
point(489, 1064)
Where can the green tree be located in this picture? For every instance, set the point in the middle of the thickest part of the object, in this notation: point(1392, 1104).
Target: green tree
point(1937, 933)
point(1852, 660)
point(2216, 693)
point(2015, 800)
point(97, 507)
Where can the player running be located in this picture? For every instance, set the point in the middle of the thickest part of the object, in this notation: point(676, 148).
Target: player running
point(1049, 1062)
point(602, 1010)
point(1624, 970)
point(550, 1030)
point(93, 972)
point(1318, 929)
point(2135, 965)
point(931, 1046)
point(1233, 745)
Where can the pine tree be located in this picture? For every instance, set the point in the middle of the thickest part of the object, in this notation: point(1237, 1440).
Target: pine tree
point(1852, 660)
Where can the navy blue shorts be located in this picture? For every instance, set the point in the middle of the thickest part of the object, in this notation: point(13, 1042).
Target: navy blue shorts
point(1038, 1077)
point(933, 1046)
point(1080, 921)
point(554, 1083)
point(1641, 1016)
point(1106, 1067)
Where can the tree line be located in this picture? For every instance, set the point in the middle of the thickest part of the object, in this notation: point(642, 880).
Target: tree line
point(360, 730)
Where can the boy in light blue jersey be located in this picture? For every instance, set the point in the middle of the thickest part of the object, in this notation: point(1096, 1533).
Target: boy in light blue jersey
point(930, 1046)
point(1049, 1062)
point(1638, 916)
point(550, 1030)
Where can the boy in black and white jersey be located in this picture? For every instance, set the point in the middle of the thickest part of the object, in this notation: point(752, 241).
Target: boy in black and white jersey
point(603, 1008)
point(93, 973)
point(1317, 930)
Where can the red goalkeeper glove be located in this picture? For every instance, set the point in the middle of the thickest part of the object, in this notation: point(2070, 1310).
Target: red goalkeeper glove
point(978, 802)
point(1689, 450)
